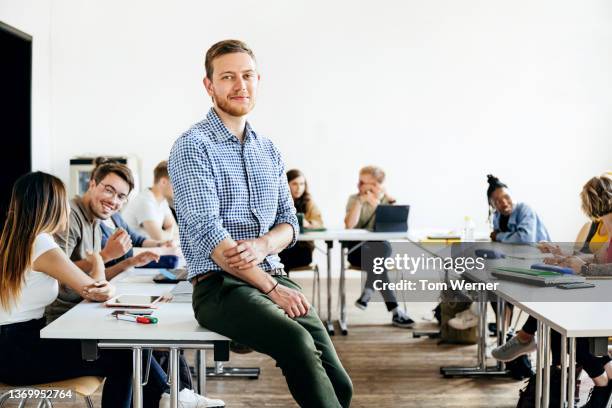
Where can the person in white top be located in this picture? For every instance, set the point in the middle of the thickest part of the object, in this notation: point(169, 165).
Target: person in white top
point(32, 264)
point(149, 213)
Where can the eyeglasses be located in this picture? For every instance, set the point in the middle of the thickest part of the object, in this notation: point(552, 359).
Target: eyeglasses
point(110, 192)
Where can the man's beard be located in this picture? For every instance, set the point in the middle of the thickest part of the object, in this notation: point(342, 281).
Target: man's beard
point(233, 110)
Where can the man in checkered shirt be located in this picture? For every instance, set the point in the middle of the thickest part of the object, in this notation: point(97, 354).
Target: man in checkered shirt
point(235, 214)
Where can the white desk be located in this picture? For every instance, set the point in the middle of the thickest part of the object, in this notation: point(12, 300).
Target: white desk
point(571, 318)
point(177, 329)
point(340, 235)
point(572, 313)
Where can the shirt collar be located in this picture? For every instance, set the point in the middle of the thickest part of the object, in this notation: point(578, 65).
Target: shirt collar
point(220, 130)
point(89, 216)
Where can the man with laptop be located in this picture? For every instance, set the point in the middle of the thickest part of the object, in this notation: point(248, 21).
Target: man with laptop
point(362, 211)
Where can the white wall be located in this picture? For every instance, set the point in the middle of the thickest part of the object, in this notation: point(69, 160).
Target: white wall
point(439, 93)
point(33, 18)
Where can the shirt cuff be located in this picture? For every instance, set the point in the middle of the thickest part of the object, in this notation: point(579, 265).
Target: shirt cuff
point(292, 221)
point(211, 240)
point(500, 236)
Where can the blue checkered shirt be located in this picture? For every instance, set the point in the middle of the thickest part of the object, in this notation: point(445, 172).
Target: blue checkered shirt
point(224, 188)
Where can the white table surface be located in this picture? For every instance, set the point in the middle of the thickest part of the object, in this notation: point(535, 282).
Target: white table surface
point(353, 235)
point(573, 313)
point(93, 321)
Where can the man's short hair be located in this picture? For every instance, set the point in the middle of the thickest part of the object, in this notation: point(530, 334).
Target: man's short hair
point(374, 171)
point(222, 48)
point(104, 167)
point(160, 171)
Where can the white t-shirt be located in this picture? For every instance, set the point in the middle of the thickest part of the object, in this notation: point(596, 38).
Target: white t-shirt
point(38, 291)
point(146, 208)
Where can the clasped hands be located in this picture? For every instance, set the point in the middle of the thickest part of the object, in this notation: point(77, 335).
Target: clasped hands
point(249, 253)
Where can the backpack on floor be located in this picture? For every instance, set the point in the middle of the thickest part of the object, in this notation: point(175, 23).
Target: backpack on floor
point(448, 310)
point(527, 395)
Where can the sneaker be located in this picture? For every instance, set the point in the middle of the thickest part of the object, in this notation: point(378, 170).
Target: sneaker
point(513, 349)
point(361, 304)
point(464, 320)
point(189, 399)
point(402, 321)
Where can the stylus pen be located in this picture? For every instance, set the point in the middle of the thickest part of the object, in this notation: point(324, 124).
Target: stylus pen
point(135, 319)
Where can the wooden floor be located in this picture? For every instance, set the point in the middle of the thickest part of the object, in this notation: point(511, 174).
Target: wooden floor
point(389, 368)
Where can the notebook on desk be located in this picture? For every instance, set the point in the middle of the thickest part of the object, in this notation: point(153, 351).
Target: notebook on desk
point(535, 277)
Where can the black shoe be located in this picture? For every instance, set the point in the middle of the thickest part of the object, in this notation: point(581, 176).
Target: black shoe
point(239, 348)
point(361, 304)
point(599, 397)
point(403, 322)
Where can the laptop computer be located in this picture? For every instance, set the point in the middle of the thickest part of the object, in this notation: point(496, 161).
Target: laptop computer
point(391, 218)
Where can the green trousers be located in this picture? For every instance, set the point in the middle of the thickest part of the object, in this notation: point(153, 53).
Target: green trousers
point(301, 347)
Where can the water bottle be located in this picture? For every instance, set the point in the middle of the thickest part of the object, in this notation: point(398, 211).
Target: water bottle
point(468, 229)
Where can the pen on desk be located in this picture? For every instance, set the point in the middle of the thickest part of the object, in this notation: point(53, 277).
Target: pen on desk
point(136, 319)
point(151, 319)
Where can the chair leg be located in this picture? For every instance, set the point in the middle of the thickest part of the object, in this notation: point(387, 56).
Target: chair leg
point(318, 275)
point(44, 403)
point(314, 288)
point(3, 398)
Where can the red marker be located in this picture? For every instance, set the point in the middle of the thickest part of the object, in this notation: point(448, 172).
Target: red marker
point(136, 319)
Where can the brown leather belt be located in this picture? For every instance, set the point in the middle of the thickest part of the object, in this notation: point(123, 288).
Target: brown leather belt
point(199, 278)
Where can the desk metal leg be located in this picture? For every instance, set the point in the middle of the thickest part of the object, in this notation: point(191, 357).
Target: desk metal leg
point(342, 293)
point(329, 323)
point(501, 328)
point(174, 377)
point(546, 368)
point(481, 370)
point(571, 386)
point(539, 364)
point(137, 377)
point(564, 393)
point(201, 368)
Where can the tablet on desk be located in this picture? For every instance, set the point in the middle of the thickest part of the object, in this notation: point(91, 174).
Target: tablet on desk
point(135, 301)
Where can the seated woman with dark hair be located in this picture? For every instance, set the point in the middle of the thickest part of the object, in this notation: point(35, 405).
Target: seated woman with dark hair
point(300, 254)
point(32, 267)
point(513, 222)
